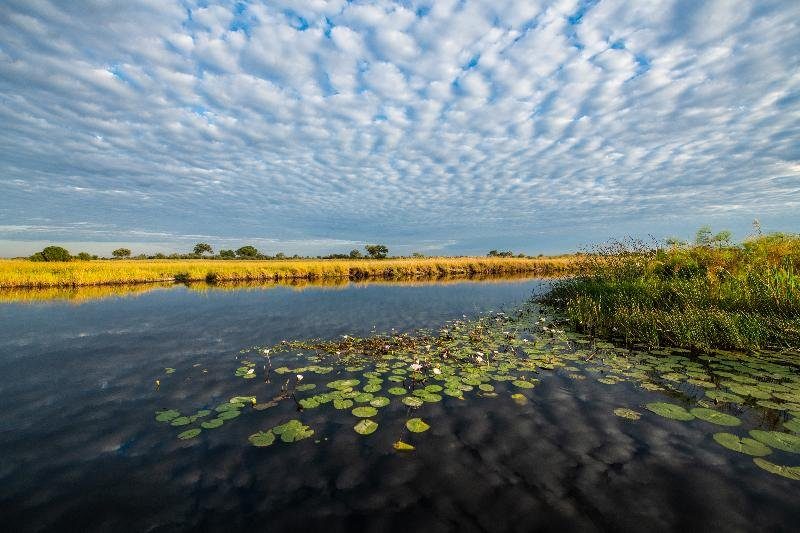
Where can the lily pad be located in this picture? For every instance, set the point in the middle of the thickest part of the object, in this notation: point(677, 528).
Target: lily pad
point(293, 431)
point(793, 425)
point(742, 445)
point(413, 401)
point(228, 415)
point(416, 425)
point(213, 423)
point(365, 427)
point(397, 391)
point(167, 416)
point(380, 401)
point(364, 411)
point(401, 446)
point(189, 433)
point(715, 417)
point(306, 386)
point(343, 384)
point(522, 384)
point(519, 398)
point(342, 404)
point(791, 472)
point(670, 410)
point(181, 421)
point(722, 396)
point(778, 440)
point(262, 438)
point(485, 387)
point(630, 414)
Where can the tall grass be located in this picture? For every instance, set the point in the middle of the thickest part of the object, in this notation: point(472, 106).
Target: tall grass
point(745, 296)
point(17, 273)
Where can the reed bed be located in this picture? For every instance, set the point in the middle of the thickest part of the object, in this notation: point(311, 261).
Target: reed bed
point(744, 296)
point(21, 273)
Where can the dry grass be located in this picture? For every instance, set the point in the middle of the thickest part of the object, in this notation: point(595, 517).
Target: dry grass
point(20, 273)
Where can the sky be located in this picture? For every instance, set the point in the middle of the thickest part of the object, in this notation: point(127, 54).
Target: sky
point(440, 127)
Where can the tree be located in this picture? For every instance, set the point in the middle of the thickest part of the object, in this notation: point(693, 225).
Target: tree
point(83, 256)
point(280, 255)
point(377, 251)
point(355, 254)
point(227, 254)
point(417, 255)
point(202, 247)
point(722, 238)
point(703, 236)
point(121, 252)
point(52, 253)
point(247, 251)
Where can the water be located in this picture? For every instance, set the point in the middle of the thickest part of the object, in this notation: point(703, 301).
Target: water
point(80, 449)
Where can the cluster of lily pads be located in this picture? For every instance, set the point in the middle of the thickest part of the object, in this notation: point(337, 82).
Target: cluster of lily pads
point(505, 355)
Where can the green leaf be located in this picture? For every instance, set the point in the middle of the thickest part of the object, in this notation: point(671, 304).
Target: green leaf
point(519, 398)
point(228, 415)
point(793, 425)
point(213, 423)
point(181, 421)
point(778, 440)
point(342, 404)
point(397, 391)
point(670, 410)
point(189, 433)
point(262, 438)
point(630, 414)
point(412, 401)
point(715, 417)
point(380, 401)
point(305, 387)
point(416, 425)
point(365, 427)
point(791, 472)
point(364, 411)
point(522, 384)
point(741, 445)
point(343, 384)
point(401, 446)
point(167, 416)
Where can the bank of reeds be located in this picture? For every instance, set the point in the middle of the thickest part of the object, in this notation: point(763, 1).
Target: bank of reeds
point(21, 273)
point(744, 296)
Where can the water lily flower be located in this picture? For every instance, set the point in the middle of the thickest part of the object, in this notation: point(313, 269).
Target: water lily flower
point(416, 367)
point(250, 371)
point(299, 377)
point(436, 370)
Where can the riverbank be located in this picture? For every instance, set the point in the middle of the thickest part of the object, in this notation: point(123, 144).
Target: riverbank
point(29, 274)
point(743, 297)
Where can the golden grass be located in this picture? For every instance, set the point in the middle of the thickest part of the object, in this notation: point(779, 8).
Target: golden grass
point(20, 273)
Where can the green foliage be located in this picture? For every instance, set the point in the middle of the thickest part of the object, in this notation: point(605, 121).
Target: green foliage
point(708, 295)
point(495, 253)
point(83, 256)
point(247, 252)
point(227, 254)
point(121, 252)
point(377, 251)
point(52, 253)
point(203, 247)
point(355, 254)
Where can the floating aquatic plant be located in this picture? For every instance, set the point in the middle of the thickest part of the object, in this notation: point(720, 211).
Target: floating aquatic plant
point(365, 427)
point(670, 410)
point(742, 445)
point(630, 414)
point(417, 425)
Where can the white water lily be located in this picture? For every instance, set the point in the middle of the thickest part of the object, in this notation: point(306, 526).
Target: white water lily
point(479, 359)
point(437, 370)
point(299, 377)
point(251, 371)
point(416, 367)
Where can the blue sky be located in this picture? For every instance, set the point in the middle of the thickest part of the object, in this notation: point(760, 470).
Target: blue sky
point(441, 127)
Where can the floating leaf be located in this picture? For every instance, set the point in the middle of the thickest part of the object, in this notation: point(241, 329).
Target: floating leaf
point(413, 401)
point(292, 431)
point(262, 438)
point(519, 398)
point(416, 425)
point(630, 414)
point(364, 397)
point(742, 445)
point(401, 446)
point(308, 403)
point(522, 384)
point(189, 433)
point(777, 439)
point(434, 388)
point(380, 401)
point(364, 411)
point(485, 387)
point(793, 425)
point(372, 387)
point(670, 410)
point(167, 416)
point(365, 427)
point(181, 421)
point(715, 417)
point(343, 384)
point(791, 472)
point(342, 404)
point(228, 415)
point(169, 370)
point(722, 396)
point(306, 386)
point(213, 423)
point(397, 391)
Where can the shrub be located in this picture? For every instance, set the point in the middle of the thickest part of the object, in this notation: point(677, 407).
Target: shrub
point(227, 254)
point(121, 252)
point(247, 251)
point(52, 253)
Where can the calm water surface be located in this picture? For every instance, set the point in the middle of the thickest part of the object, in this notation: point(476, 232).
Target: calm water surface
point(80, 449)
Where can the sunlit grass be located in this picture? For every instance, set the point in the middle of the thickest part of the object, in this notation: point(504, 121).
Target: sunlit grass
point(744, 297)
point(20, 273)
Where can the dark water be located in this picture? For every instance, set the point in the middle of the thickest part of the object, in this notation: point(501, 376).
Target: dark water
point(80, 450)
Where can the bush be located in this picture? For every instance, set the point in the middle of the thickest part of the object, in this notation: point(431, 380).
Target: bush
point(83, 256)
point(121, 252)
point(52, 253)
point(227, 254)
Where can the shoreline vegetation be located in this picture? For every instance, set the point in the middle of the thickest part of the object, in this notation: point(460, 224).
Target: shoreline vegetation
point(707, 295)
point(42, 274)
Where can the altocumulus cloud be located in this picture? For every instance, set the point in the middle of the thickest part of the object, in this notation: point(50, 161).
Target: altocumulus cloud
point(435, 126)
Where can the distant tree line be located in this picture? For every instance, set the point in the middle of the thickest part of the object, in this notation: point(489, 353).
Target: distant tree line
point(203, 250)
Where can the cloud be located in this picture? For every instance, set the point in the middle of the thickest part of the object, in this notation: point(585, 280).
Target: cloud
point(530, 125)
